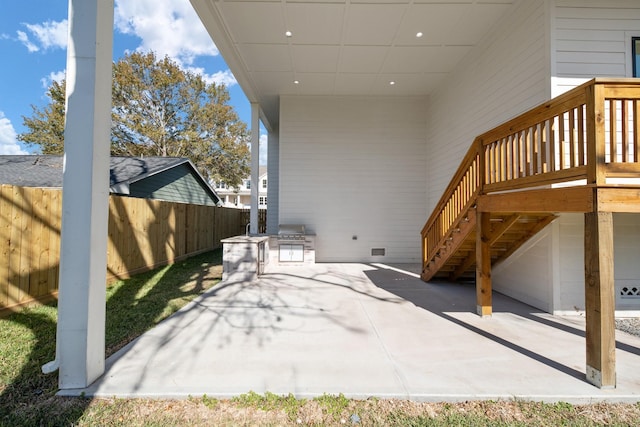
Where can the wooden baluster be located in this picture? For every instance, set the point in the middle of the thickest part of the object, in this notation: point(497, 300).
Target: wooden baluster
point(613, 130)
point(491, 164)
point(625, 136)
point(561, 140)
point(503, 159)
point(535, 141)
point(572, 138)
point(519, 155)
point(507, 158)
point(636, 129)
point(581, 139)
point(552, 145)
point(527, 152)
point(544, 141)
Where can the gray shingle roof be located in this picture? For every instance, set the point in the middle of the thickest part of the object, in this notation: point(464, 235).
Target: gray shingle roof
point(31, 171)
point(46, 170)
point(125, 170)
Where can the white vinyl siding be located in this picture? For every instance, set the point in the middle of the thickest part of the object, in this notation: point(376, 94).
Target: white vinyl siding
point(353, 170)
point(504, 75)
point(569, 286)
point(593, 37)
point(526, 274)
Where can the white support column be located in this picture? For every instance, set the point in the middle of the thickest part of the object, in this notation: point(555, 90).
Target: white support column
point(85, 204)
point(273, 191)
point(255, 166)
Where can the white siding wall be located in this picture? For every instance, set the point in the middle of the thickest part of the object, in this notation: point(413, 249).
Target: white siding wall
point(527, 274)
point(569, 295)
point(506, 74)
point(626, 256)
point(569, 288)
point(355, 166)
point(593, 39)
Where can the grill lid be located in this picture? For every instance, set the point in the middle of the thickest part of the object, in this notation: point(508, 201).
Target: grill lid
point(290, 229)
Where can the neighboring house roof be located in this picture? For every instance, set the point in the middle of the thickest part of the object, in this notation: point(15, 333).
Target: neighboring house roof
point(167, 178)
point(31, 171)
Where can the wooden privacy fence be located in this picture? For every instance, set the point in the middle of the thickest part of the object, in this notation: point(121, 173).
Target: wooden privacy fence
point(262, 219)
point(143, 234)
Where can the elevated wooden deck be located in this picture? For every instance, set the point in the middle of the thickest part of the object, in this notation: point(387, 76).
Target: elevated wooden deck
point(579, 152)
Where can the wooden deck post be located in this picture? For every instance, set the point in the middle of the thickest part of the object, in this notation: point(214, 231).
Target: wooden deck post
point(599, 299)
point(483, 264)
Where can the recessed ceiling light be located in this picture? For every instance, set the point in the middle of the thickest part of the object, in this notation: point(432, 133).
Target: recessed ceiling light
point(296, 82)
point(392, 82)
point(419, 34)
point(288, 34)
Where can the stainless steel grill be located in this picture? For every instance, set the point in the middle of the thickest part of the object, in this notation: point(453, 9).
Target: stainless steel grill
point(289, 232)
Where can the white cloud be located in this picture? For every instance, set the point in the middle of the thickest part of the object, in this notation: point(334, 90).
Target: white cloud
point(263, 148)
point(48, 35)
point(221, 77)
point(166, 27)
point(54, 76)
point(24, 38)
point(8, 137)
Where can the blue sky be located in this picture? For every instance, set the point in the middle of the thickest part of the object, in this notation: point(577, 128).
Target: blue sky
point(33, 38)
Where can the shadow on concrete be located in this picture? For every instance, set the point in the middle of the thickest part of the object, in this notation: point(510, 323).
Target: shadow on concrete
point(443, 298)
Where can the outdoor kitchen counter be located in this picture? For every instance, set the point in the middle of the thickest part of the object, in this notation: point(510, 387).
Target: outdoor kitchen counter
point(243, 257)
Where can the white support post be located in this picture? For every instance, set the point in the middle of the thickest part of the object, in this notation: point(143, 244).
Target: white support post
point(255, 166)
point(273, 191)
point(85, 204)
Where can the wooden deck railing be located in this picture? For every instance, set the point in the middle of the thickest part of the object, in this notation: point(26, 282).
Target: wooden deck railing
point(459, 196)
point(586, 135)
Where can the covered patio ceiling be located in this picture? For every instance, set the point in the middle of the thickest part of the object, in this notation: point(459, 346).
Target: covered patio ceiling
point(353, 47)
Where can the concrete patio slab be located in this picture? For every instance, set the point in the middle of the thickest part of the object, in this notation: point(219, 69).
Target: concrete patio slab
point(362, 330)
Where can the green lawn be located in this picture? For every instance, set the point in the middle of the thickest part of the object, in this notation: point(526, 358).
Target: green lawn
point(27, 397)
point(27, 338)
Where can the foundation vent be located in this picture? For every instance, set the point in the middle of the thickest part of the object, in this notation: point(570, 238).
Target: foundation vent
point(630, 292)
point(377, 251)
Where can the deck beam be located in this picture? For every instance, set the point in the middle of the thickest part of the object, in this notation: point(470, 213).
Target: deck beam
point(568, 199)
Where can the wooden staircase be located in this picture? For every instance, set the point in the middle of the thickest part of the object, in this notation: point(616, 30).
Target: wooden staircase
point(456, 259)
point(505, 191)
point(585, 138)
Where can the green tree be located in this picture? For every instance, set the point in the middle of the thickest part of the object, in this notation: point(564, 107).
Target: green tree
point(46, 126)
point(159, 109)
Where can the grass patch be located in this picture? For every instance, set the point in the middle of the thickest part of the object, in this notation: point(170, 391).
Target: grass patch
point(333, 405)
point(271, 402)
point(27, 338)
point(137, 304)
